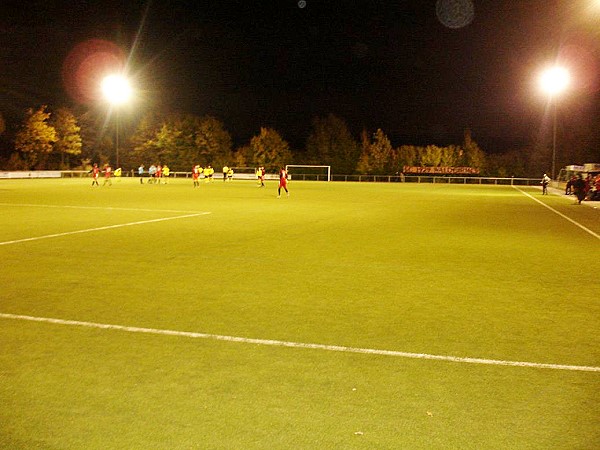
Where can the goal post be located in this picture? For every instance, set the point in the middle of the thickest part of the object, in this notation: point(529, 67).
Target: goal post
point(309, 172)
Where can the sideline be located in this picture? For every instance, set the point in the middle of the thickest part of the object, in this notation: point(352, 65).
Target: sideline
point(276, 343)
point(587, 230)
point(107, 208)
point(108, 227)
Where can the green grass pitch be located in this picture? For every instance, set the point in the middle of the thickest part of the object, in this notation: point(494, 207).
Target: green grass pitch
point(464, 271)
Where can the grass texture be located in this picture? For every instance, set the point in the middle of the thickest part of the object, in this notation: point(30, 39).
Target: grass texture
point(455, 270)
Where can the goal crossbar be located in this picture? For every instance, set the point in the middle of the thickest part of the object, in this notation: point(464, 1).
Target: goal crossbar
point(305, 166)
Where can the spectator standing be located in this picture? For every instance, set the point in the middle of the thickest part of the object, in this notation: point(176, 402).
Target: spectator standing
point(579, 189)
point(544, 182)
point(569, 188)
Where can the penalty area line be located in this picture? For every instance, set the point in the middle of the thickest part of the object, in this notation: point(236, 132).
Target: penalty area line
point(587, 230)
point(277, 343)
point(108, 227)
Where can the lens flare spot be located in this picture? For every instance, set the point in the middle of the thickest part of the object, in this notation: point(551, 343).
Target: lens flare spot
point(455, 13)
point(583, 66)
point(87, 65)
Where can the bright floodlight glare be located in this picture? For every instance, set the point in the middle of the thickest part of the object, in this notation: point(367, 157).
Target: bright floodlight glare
point(554, 80)
point(116, 89)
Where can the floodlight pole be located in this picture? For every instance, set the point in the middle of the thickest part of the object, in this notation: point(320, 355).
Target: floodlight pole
point(554, 139)
point(554, 81)
point(117, 136)
point(117, 91)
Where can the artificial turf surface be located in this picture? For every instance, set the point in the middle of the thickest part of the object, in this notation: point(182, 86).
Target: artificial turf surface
point(454, 270)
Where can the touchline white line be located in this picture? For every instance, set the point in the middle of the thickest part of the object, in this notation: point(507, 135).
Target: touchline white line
point(276, 343)
point(108, 227)
point(587, 230)
point(107, 208)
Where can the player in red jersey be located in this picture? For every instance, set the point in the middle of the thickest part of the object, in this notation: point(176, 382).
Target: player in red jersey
point(95, 174)
point(283, 179)
point(196, 175)
point(159, 174)
point(107, 175)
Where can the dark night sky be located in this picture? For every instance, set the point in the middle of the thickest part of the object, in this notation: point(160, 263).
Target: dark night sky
point(386, 64)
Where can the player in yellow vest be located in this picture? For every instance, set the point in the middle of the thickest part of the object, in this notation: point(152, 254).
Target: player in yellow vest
point(166, 173)
point(260, 174)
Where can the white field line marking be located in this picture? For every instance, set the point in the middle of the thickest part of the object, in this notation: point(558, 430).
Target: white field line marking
point(275, 343)
point(108, 208)
point(108, 227)
point(587, 230)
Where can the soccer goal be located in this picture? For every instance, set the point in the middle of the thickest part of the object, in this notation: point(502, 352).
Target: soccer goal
point(307, 172)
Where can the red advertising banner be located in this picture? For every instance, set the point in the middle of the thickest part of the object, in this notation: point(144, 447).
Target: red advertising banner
point(440, 170)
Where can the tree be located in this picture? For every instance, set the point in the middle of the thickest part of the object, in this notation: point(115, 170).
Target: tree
point(269, 149)
point(181, 140)
point(96, 145)
point(430, 156)
point(176, 142)
point(242, 156)
point(36, 137)
point(377, 155)
point(16, 162)
point(214, 142)
point(472, 156)
point(330, 143)
point(509, 164)
point(407, 155)
point(68, 137)
point(450, 156)
point(539, 159)
point(143, 140)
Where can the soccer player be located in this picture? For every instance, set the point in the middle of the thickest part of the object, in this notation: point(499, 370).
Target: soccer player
point(95, 173)
point(107, 175)
point(166, 172)
point(158, 175)
point(230, 174)
point(283, 178)
point(118, 173)
point(260, 174)
point(196, 175)
point(225, 171)
point(141, 173)
point(151, 173)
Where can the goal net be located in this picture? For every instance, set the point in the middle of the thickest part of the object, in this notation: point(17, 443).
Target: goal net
point(307, 172)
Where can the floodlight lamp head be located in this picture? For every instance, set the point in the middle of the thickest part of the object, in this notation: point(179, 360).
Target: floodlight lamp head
point(116, 89)
point(554, 80)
